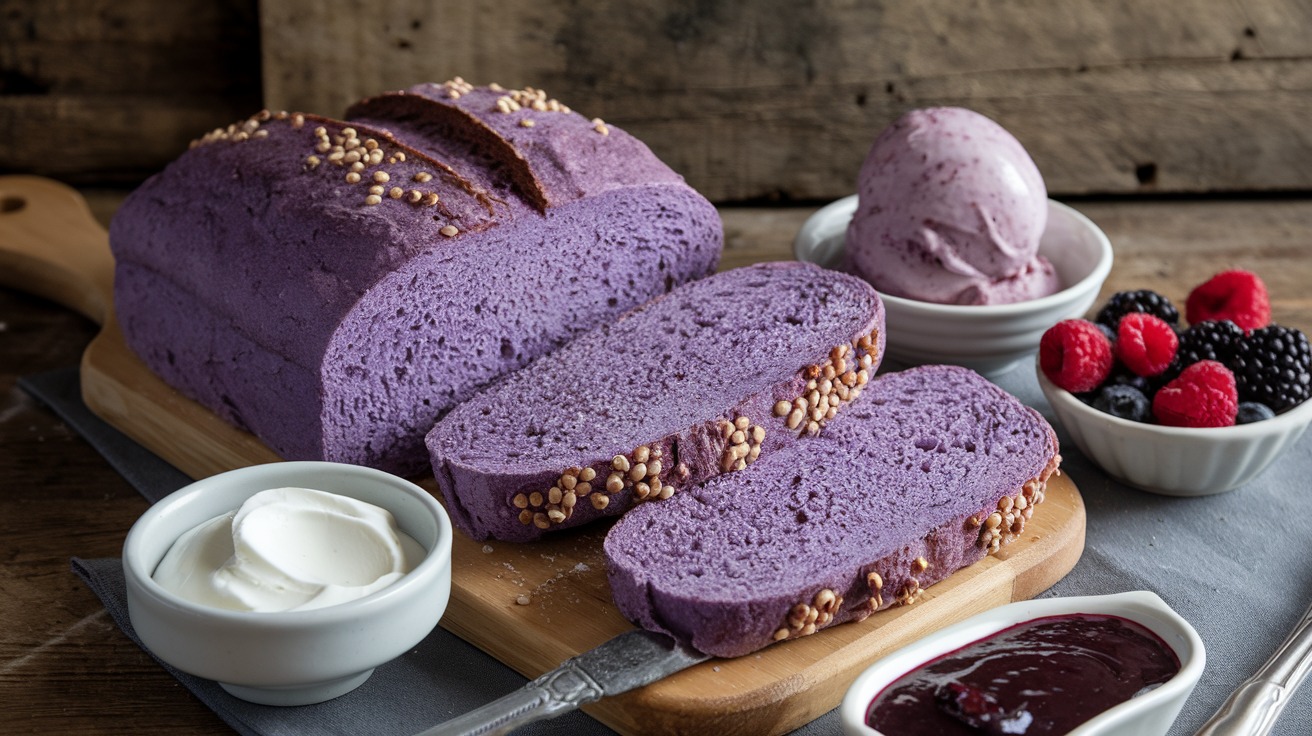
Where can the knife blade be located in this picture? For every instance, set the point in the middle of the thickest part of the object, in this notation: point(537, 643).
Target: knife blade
point(630, 660)
point(1252, 709)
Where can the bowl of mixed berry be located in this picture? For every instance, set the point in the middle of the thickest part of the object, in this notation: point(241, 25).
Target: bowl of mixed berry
point(1185, 405)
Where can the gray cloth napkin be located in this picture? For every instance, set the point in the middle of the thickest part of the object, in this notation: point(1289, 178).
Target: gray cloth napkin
point(1236, 566)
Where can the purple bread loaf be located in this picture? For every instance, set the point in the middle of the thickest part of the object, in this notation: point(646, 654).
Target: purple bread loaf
point(335, 287)
point(693, 384)
point(933, 469)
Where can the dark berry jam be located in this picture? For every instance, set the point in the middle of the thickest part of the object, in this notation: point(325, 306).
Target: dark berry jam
point(1045, 676)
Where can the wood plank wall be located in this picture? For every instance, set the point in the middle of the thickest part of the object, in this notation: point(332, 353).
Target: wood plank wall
point(775, 100)
point(105, 92)
point(781, 99)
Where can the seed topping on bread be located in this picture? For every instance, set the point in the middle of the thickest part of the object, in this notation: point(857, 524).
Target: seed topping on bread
point(639, 471)
point(1007, 522)
point(743, 443)
point(830, 385)
point(806, 618)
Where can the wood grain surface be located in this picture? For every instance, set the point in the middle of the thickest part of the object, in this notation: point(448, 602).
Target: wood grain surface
point(108, 91)
point(780, 100)
point(64, 666)
point(54, 235)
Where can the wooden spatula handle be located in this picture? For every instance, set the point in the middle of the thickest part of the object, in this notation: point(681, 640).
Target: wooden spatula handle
point(52, 246)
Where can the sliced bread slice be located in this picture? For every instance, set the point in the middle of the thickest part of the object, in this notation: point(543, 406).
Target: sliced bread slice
point(702, 381)
point(932, 470)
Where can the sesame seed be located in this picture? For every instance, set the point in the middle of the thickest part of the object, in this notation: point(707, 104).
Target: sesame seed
point(568, 482)
point(422, 177)
point(353, 178)
point(520, 501)
point(614, 483)
point(400, 156)
point(599, 501)
point(357, 167)
point(620, 463)
point(535, 498)
point(526, 123)
point(781, 408)
point(642, 454)
point(431, 199)
point(523, 600)
point(414, 195)
point(449, 230)
point(395, 192)
point(654, 467)
point(587, 474)
point(312, 161)
point(348, 132)
point(381, 177)
point(321, 131)
point(541, 521)
point(376, 189)
point(298, 120)
point(372, 199)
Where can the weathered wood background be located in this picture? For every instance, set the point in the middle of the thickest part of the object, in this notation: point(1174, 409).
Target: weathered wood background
point(763, 101)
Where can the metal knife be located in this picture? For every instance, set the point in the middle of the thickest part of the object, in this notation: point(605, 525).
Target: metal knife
point(630, 660)
point(1254, 706)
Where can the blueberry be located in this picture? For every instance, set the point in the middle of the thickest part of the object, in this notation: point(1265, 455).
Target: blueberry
point(1252, 411)
point(1124, 401)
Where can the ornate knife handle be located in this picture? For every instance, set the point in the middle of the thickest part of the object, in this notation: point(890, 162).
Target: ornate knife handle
point(559, 691)
point(1254, 706)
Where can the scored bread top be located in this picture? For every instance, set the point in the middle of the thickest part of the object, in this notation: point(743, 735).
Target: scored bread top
point(896, 493)
point(335, 286)
point(694, 383)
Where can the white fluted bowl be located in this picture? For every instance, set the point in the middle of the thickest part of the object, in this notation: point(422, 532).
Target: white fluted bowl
point(1175, 461)
point(991, 339)
point(1149, 714)
point(288, 657)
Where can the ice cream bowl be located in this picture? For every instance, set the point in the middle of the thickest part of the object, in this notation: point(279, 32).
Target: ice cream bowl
point(1150, 713)
point(288, 657)
point(990, 339)
point(1175, 461)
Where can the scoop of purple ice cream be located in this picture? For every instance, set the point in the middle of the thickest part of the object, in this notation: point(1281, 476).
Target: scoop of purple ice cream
point(950, 210)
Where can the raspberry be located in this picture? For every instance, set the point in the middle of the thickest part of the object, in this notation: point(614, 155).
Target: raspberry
point(1239, 296)
point(1129, 302)
point(1075, 355)
point(1203, 396)
point(1145, 343)
point(1273, 366)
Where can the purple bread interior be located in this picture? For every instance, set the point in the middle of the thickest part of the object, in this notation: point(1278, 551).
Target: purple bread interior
point(701, 381)
point(933, 469)
point(258, 276)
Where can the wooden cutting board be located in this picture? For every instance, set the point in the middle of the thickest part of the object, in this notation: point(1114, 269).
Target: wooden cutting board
point(529, 605)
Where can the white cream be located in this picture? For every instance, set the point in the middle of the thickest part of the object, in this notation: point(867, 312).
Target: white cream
point(289, 549)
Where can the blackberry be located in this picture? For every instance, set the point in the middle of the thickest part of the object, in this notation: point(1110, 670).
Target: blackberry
point(1143, 300)
point(1124, 401)
point(1211, 340)
point(1273, 366)
point(1251, 411)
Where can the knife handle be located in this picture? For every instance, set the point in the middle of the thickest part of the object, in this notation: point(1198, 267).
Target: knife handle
point(1254, 706)
point(559, 691)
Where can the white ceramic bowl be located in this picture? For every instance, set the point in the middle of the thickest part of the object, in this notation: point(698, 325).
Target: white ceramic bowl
point(288, 657)
point(1150, 714)
point(1175, 461)
point(991, 339)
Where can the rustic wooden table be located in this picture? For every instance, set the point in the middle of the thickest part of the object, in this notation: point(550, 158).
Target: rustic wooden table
point(65, 667)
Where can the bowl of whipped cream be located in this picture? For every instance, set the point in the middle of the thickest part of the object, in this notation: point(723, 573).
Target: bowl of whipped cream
point(288, 583)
